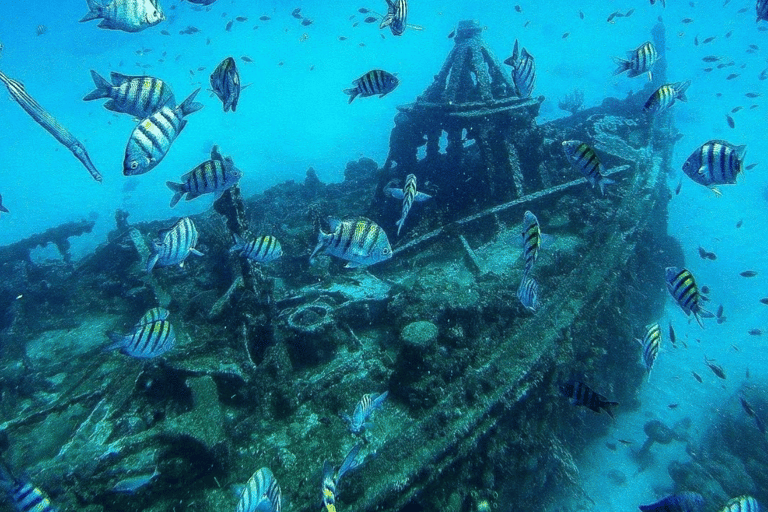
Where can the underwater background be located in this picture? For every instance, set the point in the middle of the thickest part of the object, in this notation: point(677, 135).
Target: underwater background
point(293, 115)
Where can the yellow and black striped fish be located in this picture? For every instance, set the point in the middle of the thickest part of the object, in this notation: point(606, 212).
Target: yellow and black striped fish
point(225, 82)
point(583, 157)
point(665, 96)
point(24, 496)
point(212, 176)
point(716, 162)
point(125, 15)
point(373, 82)
point(262, 249)
point(361, 242)
point(397, 13)
point(409, 195)
point(528, 293)
point(146, 341)
point(261, 493)
point(682, 286)
point(175, 245)
point(139, 96)
point(153, 315)
point(742, 504)
point(651, 344)
point(638, 61)
point(531, 240)
point(331, 478)
point(523, 71)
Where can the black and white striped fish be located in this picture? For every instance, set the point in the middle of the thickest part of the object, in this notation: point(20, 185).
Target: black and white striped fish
point(638, 61)
point(581, 394)
point(3, 208)
point(139, 96)
point(665, 96)
point(125, 15)
point(146, 341)
point(762, 10)
point(153, 315)
point(225, 82)
point(528, 293)
point(152, 138)
point(409, 195)
point(175, 245)
point(262, 249)
point(24, 496)
point(373, 82)
point(397, 13)
point(332, 478)
point(361, 242)
point(531, 240)
point(363, 411)
point(523, 71)
point(651, 344)
point(583, 157)
point(212, 176)
point(682, 287)
point(261, 493)
point(716, 162)
point(741, 504)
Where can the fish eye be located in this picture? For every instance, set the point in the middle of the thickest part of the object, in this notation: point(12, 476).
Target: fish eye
point(385, 251)
point(134, 165)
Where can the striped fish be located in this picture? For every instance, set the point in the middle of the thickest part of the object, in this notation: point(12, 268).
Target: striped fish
point(580, 394)
point(225, 82)
point(397, 13)
point(682, 502)
point(139, 96)
point(716, 162)
point(174, 245)
point(682, 286)
point(584, 158)
point(742, 504)
point(651, 344)
point(523, 71)
point(153, 315)
point(261, 493)
point(531, 240)
point(528, 293)
point(212, 176)
point(332, 478)
point(24, 496)
point(762, 10)
point(408, 194)
point(262, 249)
point(152, 138)
point(125, 15)
point(3, 208)
point(373, 82)
point(638, 61)
point(146, 341)
point(46, 120)
point(363, 410)
point(665, 96)
point(361, 242)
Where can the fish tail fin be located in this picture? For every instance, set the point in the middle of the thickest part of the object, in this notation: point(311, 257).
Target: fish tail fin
point(602, 182)
point(117, 339)
point(741, 152)
point(95, 11)
point(189, 105)
point(152, 261)
point(352, 93)
point(608, 407)
point(102, 87)
point(239, 244)
point(178, 189)
point(681, 88)
point(623, 65)
point(3, 208)
point(321, 242)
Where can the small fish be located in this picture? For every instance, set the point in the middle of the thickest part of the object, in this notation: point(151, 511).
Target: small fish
point(750, 167)
point(736, 109)
point(360, 242)
point(716, 162)
point(732, 76)
point(672, 337)
point(611, 16)
point(651, 343)
point(215, 176)
point(682, 287)
point(225, 82)
point(408, 195)
point(716, 369)
point(332, 478)
point(531, 240)
point(624, 441)
point(518, 8)
point(580, 394)
point(264, 18)
point(697, 376)
point(583, 157)
point(125, 15)
point(139, 96)
point(174, 245)
point(371, 19)
point(748, 273)
point(764, 300)
point(747, 407)
point(397, 13)
point(672, 406)
point(153, 315)
point(523, 71)
point(296, 13)
point(752, 94)
point(708, 40)
point(246, 58)
point(610, 446)
point(262, 249)
point(686, 20)
point(306, 22)
point(261, 493)
point(241, 18)
point(363, 10)
point(683, 502)
point(705, 290)
point(133, 484)
point(152, 138)
point(629, 13)
point(755, 332)
point(696, 40)
point(342, 38)
point(364, 409)
point(665, 96)
point(711, 58)
point(373, 82)
point(581, 15)
point(528, 293)
point(3, 208)
point(145, 342)
point(565, 35)
point(638, 61)
point(679, 186)
point(24, 496)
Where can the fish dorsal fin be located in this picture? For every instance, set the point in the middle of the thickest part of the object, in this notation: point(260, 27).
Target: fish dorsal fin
point(333, 223)
point(119, 79)
point(215, 155)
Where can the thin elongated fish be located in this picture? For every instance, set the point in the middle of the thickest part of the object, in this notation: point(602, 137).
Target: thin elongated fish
point(395, 19)
point(153, 315)
point(651, 343)
point(261, 493)
point(262, 249)
point(583, 157)
point(225, 82)
point(638, 61)
point(528, 293)
point(332, 478)
point(363, 410)
point(361, 242)
point(741, 504)
point(125, 15)
point(46, 120)
point(139, 96)
point(145, 342)
point(24, 496)
point(665, 96)
point(409, 195)
point(175, 245)
point(682, 287)
point(531, 240)
point(581, 394)
point(716, 162)
point(215, 176)
point(133, 484)
point(152, 138)
point(682, 502)
point(762, 10)
point(373, 82)
point(523, 71)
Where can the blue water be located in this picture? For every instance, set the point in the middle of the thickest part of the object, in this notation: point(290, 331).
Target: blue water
point(292, 117)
